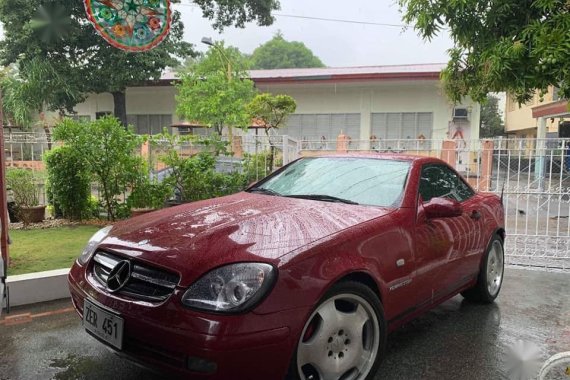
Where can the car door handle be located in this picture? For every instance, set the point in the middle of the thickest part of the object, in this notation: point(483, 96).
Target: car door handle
point(475, 215)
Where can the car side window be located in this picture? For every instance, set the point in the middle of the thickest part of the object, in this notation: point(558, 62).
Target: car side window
point(440, 181)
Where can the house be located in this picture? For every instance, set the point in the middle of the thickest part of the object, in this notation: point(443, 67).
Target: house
point(365, 103)
point(541, 117)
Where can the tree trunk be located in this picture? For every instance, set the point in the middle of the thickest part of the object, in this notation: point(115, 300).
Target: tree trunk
point(120, 101)
point(48, 136)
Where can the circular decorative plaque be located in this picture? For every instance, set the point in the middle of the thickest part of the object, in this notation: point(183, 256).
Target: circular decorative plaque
point(131, 25)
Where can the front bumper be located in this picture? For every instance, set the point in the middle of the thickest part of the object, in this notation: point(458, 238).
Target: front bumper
point(171, 337)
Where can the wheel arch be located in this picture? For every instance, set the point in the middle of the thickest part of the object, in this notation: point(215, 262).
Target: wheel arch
point(363, 278)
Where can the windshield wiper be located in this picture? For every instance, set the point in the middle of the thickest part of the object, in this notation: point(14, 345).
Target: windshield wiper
point(322, 197)
point(262, 190)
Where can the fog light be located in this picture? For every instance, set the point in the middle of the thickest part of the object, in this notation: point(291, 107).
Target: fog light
point(201, 365)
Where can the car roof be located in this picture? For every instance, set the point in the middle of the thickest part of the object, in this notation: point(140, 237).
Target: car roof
point(416, 159)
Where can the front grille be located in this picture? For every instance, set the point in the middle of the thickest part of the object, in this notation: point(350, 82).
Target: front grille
point(146, 283)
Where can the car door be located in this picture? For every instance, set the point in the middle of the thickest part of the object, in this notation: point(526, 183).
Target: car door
point(445, 248)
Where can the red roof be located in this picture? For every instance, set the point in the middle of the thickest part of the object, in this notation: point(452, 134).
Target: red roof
point(339, 74)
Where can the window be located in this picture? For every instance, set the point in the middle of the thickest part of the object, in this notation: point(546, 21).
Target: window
point(406, 125)
point(438, 181)
point(81, 118)
point(556, 94)
point(150, 124)
point(366, 181)
point(313, 127)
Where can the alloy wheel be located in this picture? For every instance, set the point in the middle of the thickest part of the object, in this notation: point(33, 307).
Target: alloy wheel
point(340, 341)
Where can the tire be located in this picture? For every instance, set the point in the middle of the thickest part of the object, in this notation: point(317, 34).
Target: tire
point(491, 275)
point(332, 343)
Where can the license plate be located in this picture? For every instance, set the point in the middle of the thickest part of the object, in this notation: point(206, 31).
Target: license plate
point(104, 325)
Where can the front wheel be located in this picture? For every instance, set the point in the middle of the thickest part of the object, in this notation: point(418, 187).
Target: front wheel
point(490, 277)
point(344, 338)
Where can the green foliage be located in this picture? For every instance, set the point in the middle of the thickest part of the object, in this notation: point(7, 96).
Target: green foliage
point(271, 110)
point(504, 45)
point(108, 152)
point(62, 62)
point(491, 121)
point(256, 166)
point(279, 53)
point(195, 178)
point(147, 193)
point(69, 183)
point(24, 188)
point(215, 90)
point(238, 12)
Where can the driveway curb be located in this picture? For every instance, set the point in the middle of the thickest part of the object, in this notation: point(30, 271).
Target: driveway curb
point(32, 288)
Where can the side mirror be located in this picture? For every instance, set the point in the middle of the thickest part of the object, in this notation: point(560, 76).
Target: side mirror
point(442, 208)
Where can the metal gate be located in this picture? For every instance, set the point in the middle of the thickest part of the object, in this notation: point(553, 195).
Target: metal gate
point(536, 180)
point(533, 175)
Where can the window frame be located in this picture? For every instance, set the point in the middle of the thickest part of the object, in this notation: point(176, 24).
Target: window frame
point(453, 171)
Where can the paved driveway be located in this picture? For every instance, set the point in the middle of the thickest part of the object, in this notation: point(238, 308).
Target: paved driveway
point(457, 340)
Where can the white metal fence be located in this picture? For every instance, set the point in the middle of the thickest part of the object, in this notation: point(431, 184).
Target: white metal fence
point(533, 174)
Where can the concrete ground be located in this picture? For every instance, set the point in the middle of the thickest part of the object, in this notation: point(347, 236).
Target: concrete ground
point(457, 340)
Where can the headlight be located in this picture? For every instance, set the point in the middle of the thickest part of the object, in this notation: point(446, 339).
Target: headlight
point(232, 288)
point(92, 244)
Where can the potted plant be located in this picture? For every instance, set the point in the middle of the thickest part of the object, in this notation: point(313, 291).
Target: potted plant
point(26, 194)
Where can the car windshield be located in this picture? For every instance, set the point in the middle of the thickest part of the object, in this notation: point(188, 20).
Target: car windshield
point(366, 181)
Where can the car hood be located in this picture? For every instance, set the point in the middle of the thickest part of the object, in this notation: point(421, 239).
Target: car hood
point(196, 237)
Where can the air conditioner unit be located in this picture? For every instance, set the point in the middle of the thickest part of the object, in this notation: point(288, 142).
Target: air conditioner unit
point(460, 113)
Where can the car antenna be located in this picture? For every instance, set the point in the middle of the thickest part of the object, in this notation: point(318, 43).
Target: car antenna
point(502, 193)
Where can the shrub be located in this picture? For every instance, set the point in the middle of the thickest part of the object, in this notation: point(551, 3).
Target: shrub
point(22, 183)
point(256, 166)
point(195, 178)
point(147, 193)
point(24, 188)
point(107, 150)
point(69, 183)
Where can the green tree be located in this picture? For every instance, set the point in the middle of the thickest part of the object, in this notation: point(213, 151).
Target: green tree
point(108, 153)
point(271, 110)
point(216, 89)
point(504, 45)
point(491, 121)
point(56, 36)
point(279, 53)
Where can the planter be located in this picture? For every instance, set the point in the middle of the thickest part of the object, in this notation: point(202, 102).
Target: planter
point(141, 211)
point(34, 214)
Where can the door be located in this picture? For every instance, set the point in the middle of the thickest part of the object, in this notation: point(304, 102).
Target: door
point(446, 249)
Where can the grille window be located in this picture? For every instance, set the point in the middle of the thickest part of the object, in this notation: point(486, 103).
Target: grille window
point(407, 125)
point(318, 127)
point(146, 283)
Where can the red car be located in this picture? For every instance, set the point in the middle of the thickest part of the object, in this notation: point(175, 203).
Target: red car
point(300, 277)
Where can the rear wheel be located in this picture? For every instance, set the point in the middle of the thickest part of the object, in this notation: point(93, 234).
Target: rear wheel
point(490, 277)
point(344, 338)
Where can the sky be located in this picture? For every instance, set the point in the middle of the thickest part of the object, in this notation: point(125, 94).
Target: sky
point(338, 44)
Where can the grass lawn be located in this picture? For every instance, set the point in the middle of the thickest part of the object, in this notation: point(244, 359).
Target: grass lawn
point(38, 250)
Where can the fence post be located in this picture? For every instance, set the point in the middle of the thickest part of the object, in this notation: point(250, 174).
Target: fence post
point(486, 165)
point(448, 152)
point(285, 146)
point(342, 143)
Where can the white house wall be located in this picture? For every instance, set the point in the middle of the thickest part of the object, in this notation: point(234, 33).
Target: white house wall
point(421, 96)
point(363, 98)
point(151, 100)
